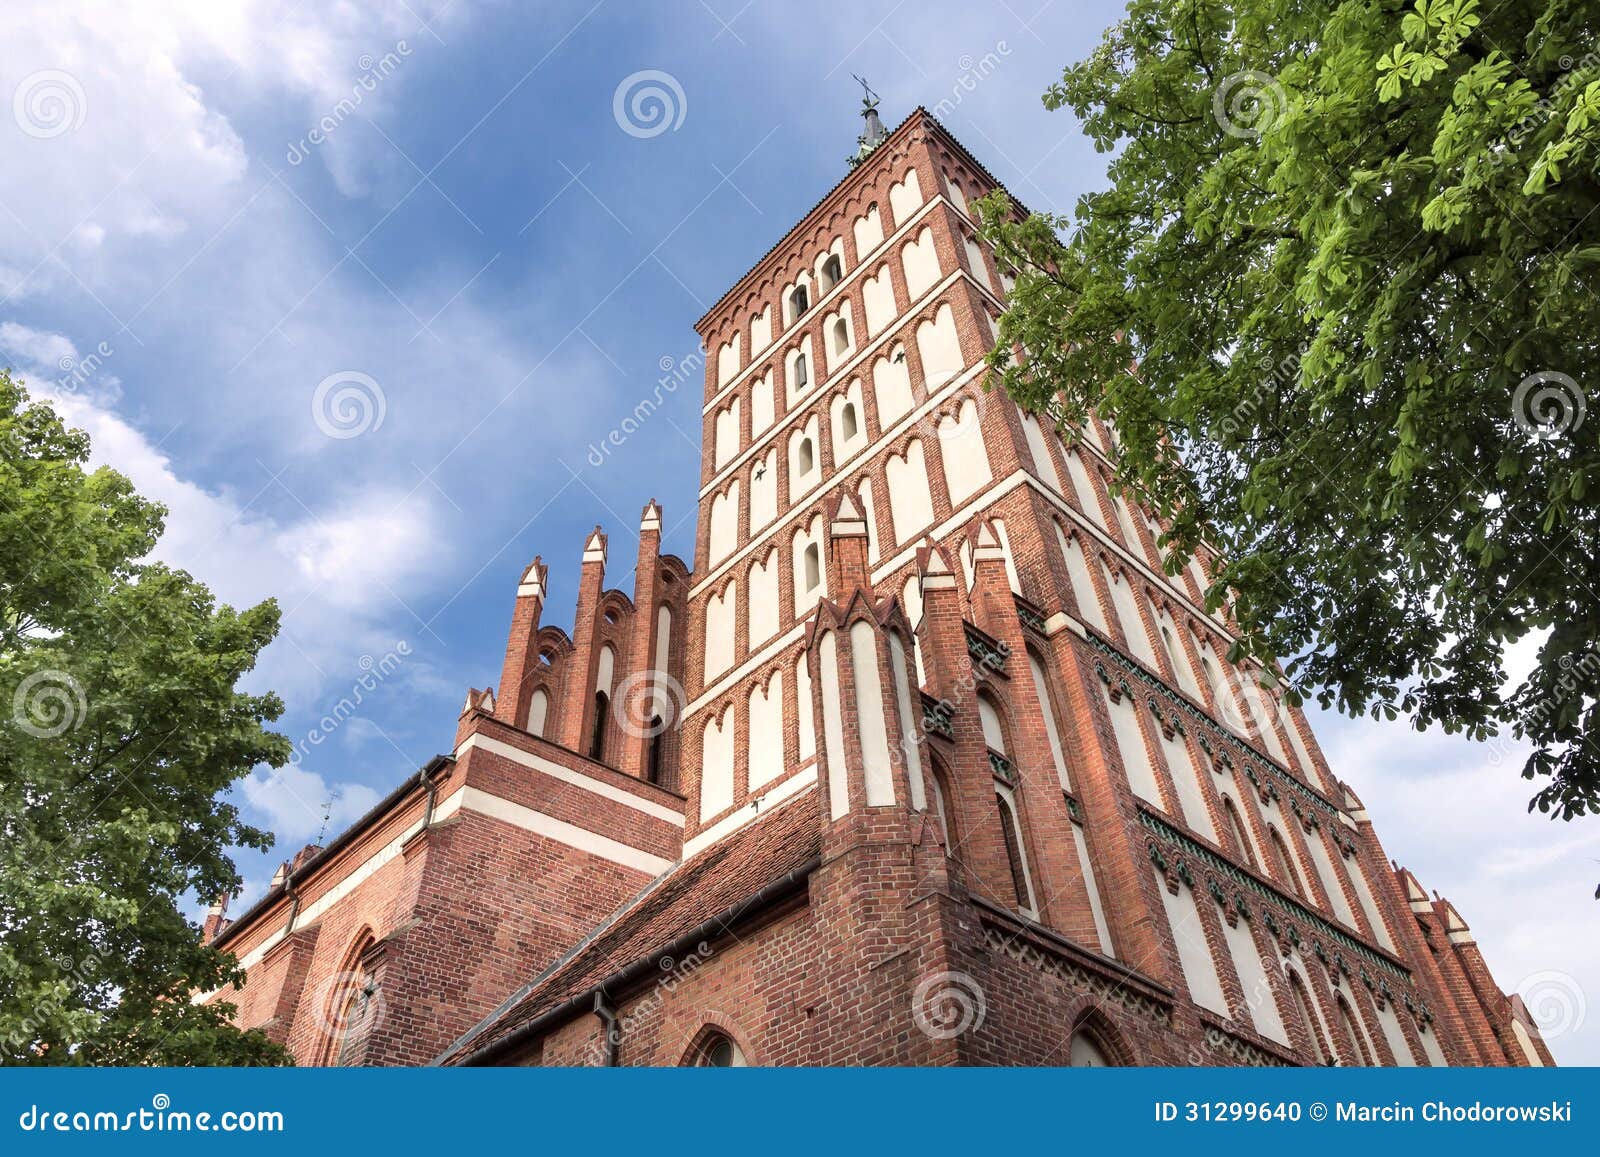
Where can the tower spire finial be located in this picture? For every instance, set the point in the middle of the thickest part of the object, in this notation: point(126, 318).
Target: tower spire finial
point(873, 134)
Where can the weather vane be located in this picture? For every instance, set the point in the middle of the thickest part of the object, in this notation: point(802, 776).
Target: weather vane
point(874, 134)
point(869, 99)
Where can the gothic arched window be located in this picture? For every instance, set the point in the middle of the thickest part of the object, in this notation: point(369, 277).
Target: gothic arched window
point(1237, 824)
point(1016, 854)
point(1287, 859)
point(813, 560)
point(1087, 1052)
point(1302, 1001)
point(1353, 1031)
point(848, 422)
point(718, 1051)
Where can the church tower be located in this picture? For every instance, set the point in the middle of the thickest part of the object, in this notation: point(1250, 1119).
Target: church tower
point(929, 755)
point(1096, 767)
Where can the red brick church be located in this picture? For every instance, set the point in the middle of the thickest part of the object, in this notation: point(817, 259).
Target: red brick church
point(925, 759)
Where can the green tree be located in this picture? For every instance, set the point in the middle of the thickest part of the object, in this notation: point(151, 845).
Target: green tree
point(1339, 296)
point(119, 726)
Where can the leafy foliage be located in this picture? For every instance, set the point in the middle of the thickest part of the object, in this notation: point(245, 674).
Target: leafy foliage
point(119, 726)
point(1352, 250)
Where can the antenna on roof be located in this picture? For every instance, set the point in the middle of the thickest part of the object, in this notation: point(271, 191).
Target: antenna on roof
point(873, 134)
point(327, 813)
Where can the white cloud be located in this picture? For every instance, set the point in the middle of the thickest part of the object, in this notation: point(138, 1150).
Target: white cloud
point(356, 555)
point(37, 349)
point(1455, 813)
point(45, 357)
point(294, 801)
point(337, 576)
point(169, 151)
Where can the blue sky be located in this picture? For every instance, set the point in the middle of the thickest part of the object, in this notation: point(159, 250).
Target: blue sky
point(488, 270)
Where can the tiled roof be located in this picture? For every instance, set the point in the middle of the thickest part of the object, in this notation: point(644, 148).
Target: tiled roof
point(723, 883)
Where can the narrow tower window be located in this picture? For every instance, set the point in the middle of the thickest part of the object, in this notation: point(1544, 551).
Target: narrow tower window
point(597, 742)
point(1283, 853)
point(1237, 825)
point(1012, 834)
point(653, 767)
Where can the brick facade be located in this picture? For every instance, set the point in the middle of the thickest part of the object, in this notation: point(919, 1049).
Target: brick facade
point(927, 760)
